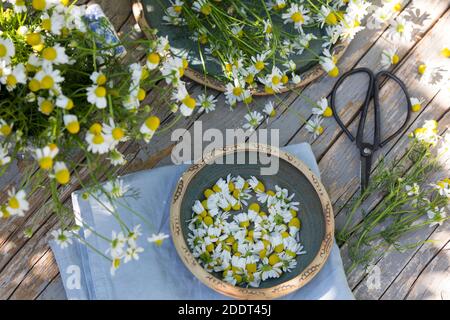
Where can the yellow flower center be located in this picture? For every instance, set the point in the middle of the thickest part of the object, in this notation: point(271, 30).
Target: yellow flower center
point(34, 85)
point(152, 123)
point(416, 107)
point(62, 176)
point(46, 163)
point(397, 7)
point(33, 39)
point(177, 8)
point(46, 107)
point(328, 112)
point(141, 94)
point(100, 92)
point(5, 130)
point(189, 102)
point(69, 104)
point(159, 242)
point(11, 80)
point(14, 203)
point(334, 72)
point(73, 127)
point(400, 28)
point(96, 129)
point(46, 24)
point(274, 259)
point(422, 68)
point(20, 2)
point(98, 139)
point(269, 90)
point(39, 4)
point(259, 65)
point(445, 52)
point(237, 91)
point(331, 19)
point(228, 67)
point(395, 59)
point(47, 82)
point(203, 39)
point(250, 79)
point(297, 17)
point(154, 58)
point(276, 80)
point(206, 9)
point(65, 3)
point(118, 133)
point(101, 79)
point(284, 79)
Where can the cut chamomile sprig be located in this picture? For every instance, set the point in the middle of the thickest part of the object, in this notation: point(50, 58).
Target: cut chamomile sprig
point(245, 243)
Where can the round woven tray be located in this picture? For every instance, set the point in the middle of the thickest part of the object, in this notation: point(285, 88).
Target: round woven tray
point(146, 10)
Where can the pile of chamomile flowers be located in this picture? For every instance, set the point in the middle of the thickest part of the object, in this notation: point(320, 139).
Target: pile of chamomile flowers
point(239, 241)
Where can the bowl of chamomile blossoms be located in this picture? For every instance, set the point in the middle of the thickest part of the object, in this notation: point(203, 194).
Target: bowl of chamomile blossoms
point(251, 233)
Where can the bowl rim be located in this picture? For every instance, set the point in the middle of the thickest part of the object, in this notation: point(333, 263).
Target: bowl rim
point(307, 76)
point(223, 287)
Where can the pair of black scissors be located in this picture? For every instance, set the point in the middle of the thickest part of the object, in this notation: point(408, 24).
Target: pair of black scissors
point(367, 149)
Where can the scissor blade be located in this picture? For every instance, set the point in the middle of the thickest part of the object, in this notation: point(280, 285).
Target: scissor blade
point(366, 166)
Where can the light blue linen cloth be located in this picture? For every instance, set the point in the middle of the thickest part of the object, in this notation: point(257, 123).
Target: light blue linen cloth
point(159, 273)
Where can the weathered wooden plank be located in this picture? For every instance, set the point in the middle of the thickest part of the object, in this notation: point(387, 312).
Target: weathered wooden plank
point(344, 189)
point(399, 288)
point(434, 281)
point(54, 291)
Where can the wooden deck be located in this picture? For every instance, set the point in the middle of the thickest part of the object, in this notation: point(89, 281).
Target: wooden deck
point(28, 269)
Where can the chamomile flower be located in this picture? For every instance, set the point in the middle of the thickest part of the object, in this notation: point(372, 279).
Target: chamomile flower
point(381, 16)
point(98, 78)
point(389, 57)
point(202, 6)
point(71, 123)
point(5, 128)
point(17, 76)
point(254, 119)
point(273, 81)
point(116, 188)
point(63, 238)
point(173, 69)
point(96, 95)
point(416, 104)
point(327, 16)
point(54, 55)
point(268, 28)
point(328, 63)
point(45, 156)
point(443, 187)
point(116, 158)
point(149, 127)
point(7, 49)
point(298, 15)
point(259, 62)
point(413, 190)
point(206, 103)
point(158, 238)
point(17, 203)
point(64, 102)
point(117, 133)
point(48, 78)
point(18, 5)
point(97, 140)
point(437, 215)
point(4, 156)
point(322, 108)
point(187, 102)
point(234, 91)
point(428, 133)
point(117, 244)
point(46, 105)
point(132, 253)
point(314, 126)
point(61, 173)
point(53, 23)
point(269, 109)
point(400, 30)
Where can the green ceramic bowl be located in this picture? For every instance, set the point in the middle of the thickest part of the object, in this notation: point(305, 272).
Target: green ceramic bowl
point(315, 213)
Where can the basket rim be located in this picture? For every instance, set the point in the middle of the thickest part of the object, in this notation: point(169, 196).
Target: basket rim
point(227, 289)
